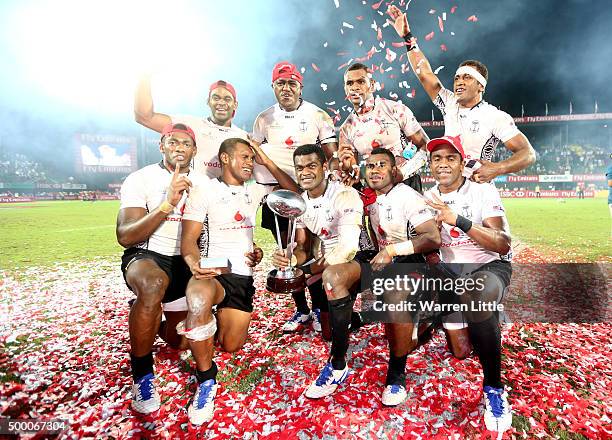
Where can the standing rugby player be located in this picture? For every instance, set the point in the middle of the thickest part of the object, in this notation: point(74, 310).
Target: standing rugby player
point(210, 131)
point(377, 122)
point(481, 125)
point(280, 129)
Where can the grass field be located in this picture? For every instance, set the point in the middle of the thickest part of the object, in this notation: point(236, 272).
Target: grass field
point(43, 233)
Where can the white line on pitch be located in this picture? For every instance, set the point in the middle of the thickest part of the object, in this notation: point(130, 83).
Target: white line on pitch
point(86, 228)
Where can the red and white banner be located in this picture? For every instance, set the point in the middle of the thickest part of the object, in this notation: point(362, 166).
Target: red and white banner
point(16, 199)
point(540, 119)
point(543, 194)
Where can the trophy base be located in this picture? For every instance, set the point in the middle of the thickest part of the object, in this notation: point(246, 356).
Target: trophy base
point(286, 281)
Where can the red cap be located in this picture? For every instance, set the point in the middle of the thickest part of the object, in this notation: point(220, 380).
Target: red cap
point(178, 128)
point(453, 141)
point(230, 88)
point(286, 70)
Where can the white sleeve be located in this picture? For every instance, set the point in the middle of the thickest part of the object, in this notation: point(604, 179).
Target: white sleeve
point(407, 122)
point(491, 202)
point(505, 128)
point(327, 132)
point(442, 100)
point(417, 211)
point(259, 132)
point(349, 207)
point(196, 206)
point(133, 193)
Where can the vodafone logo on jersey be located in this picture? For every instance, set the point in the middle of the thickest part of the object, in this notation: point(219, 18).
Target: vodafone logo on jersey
point(289, 141)
point(376, 144)
point(324, 232)
point(238, 217)
point(454, 232)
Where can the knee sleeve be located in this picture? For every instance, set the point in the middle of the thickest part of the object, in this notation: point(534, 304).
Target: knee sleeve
point(200, 333)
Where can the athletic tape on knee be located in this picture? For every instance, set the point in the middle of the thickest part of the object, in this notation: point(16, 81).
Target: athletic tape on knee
point(329, 290)
point(200, 333)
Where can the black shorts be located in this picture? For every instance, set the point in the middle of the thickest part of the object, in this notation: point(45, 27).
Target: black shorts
point(239, 292)
point(175, 267)
point(267, 221)
point(501, 269)
point(415, 183)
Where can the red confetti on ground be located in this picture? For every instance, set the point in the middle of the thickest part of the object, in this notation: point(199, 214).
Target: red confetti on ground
point(453, 9)
point(472, 18)
point(429, 36)
point(440, 24)
point(315, 67)
point(443, 47)
point(64, 355)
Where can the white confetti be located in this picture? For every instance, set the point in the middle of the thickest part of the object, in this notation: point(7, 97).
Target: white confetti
point(337, 3)
point(325, 44)
point(331, 103)
point(438, 69)
point(444, 16)
point(348, 25)
point(324, 86)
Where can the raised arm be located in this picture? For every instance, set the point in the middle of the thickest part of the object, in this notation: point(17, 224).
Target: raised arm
point(418, 62)
point(144, 113)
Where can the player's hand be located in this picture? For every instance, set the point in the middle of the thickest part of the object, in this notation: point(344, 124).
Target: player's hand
point(200, 273)
point(254, 257)
point(487, 172)
point(178, 185)
point(279, 259)
point(260, 157)
point(381, 259)
point(398, 21)
point(445, 214)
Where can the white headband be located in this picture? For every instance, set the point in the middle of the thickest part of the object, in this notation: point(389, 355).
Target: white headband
point(472, 72)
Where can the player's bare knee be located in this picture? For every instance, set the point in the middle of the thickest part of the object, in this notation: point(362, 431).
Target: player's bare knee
point(333, 280)
point(232, 345)
point(150, 287)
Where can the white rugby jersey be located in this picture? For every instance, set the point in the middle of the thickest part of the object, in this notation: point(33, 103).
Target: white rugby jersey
point(474, 201)
point(281, 132)
point(147, 188)
point(229, 212)
point(387, 125)
point(481, 127)
point(208, 140)
point(326, 215)
point(395, 215)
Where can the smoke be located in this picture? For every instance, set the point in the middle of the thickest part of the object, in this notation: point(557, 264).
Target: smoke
point(82, 77)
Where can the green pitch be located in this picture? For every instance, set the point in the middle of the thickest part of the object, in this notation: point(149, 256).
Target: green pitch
point(44, 233)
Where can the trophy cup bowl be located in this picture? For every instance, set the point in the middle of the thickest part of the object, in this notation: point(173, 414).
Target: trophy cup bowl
point(291, 205)
point(286, 281)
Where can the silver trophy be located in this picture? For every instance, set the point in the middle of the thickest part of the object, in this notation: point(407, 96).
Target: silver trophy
point(289, 205)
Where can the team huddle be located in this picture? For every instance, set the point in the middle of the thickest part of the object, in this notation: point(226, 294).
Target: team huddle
point(366, 219)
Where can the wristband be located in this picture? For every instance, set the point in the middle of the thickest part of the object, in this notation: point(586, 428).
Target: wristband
point(463, 223)
point(408, 38)
point(166, 207)
point(403, 248)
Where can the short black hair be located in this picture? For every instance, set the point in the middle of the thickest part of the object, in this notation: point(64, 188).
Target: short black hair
point(388, 153)
point(358, 66)
point(480, 67)
point(305, 150)
point(229, 145)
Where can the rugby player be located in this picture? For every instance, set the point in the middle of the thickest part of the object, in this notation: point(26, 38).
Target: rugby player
point(474, 230)
point(404, 229)
point(280, 129)
point(210, 131)
point(481, 125)
point(377, 122)
point(334, 214)
point(149, 227)
point(229, 206)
